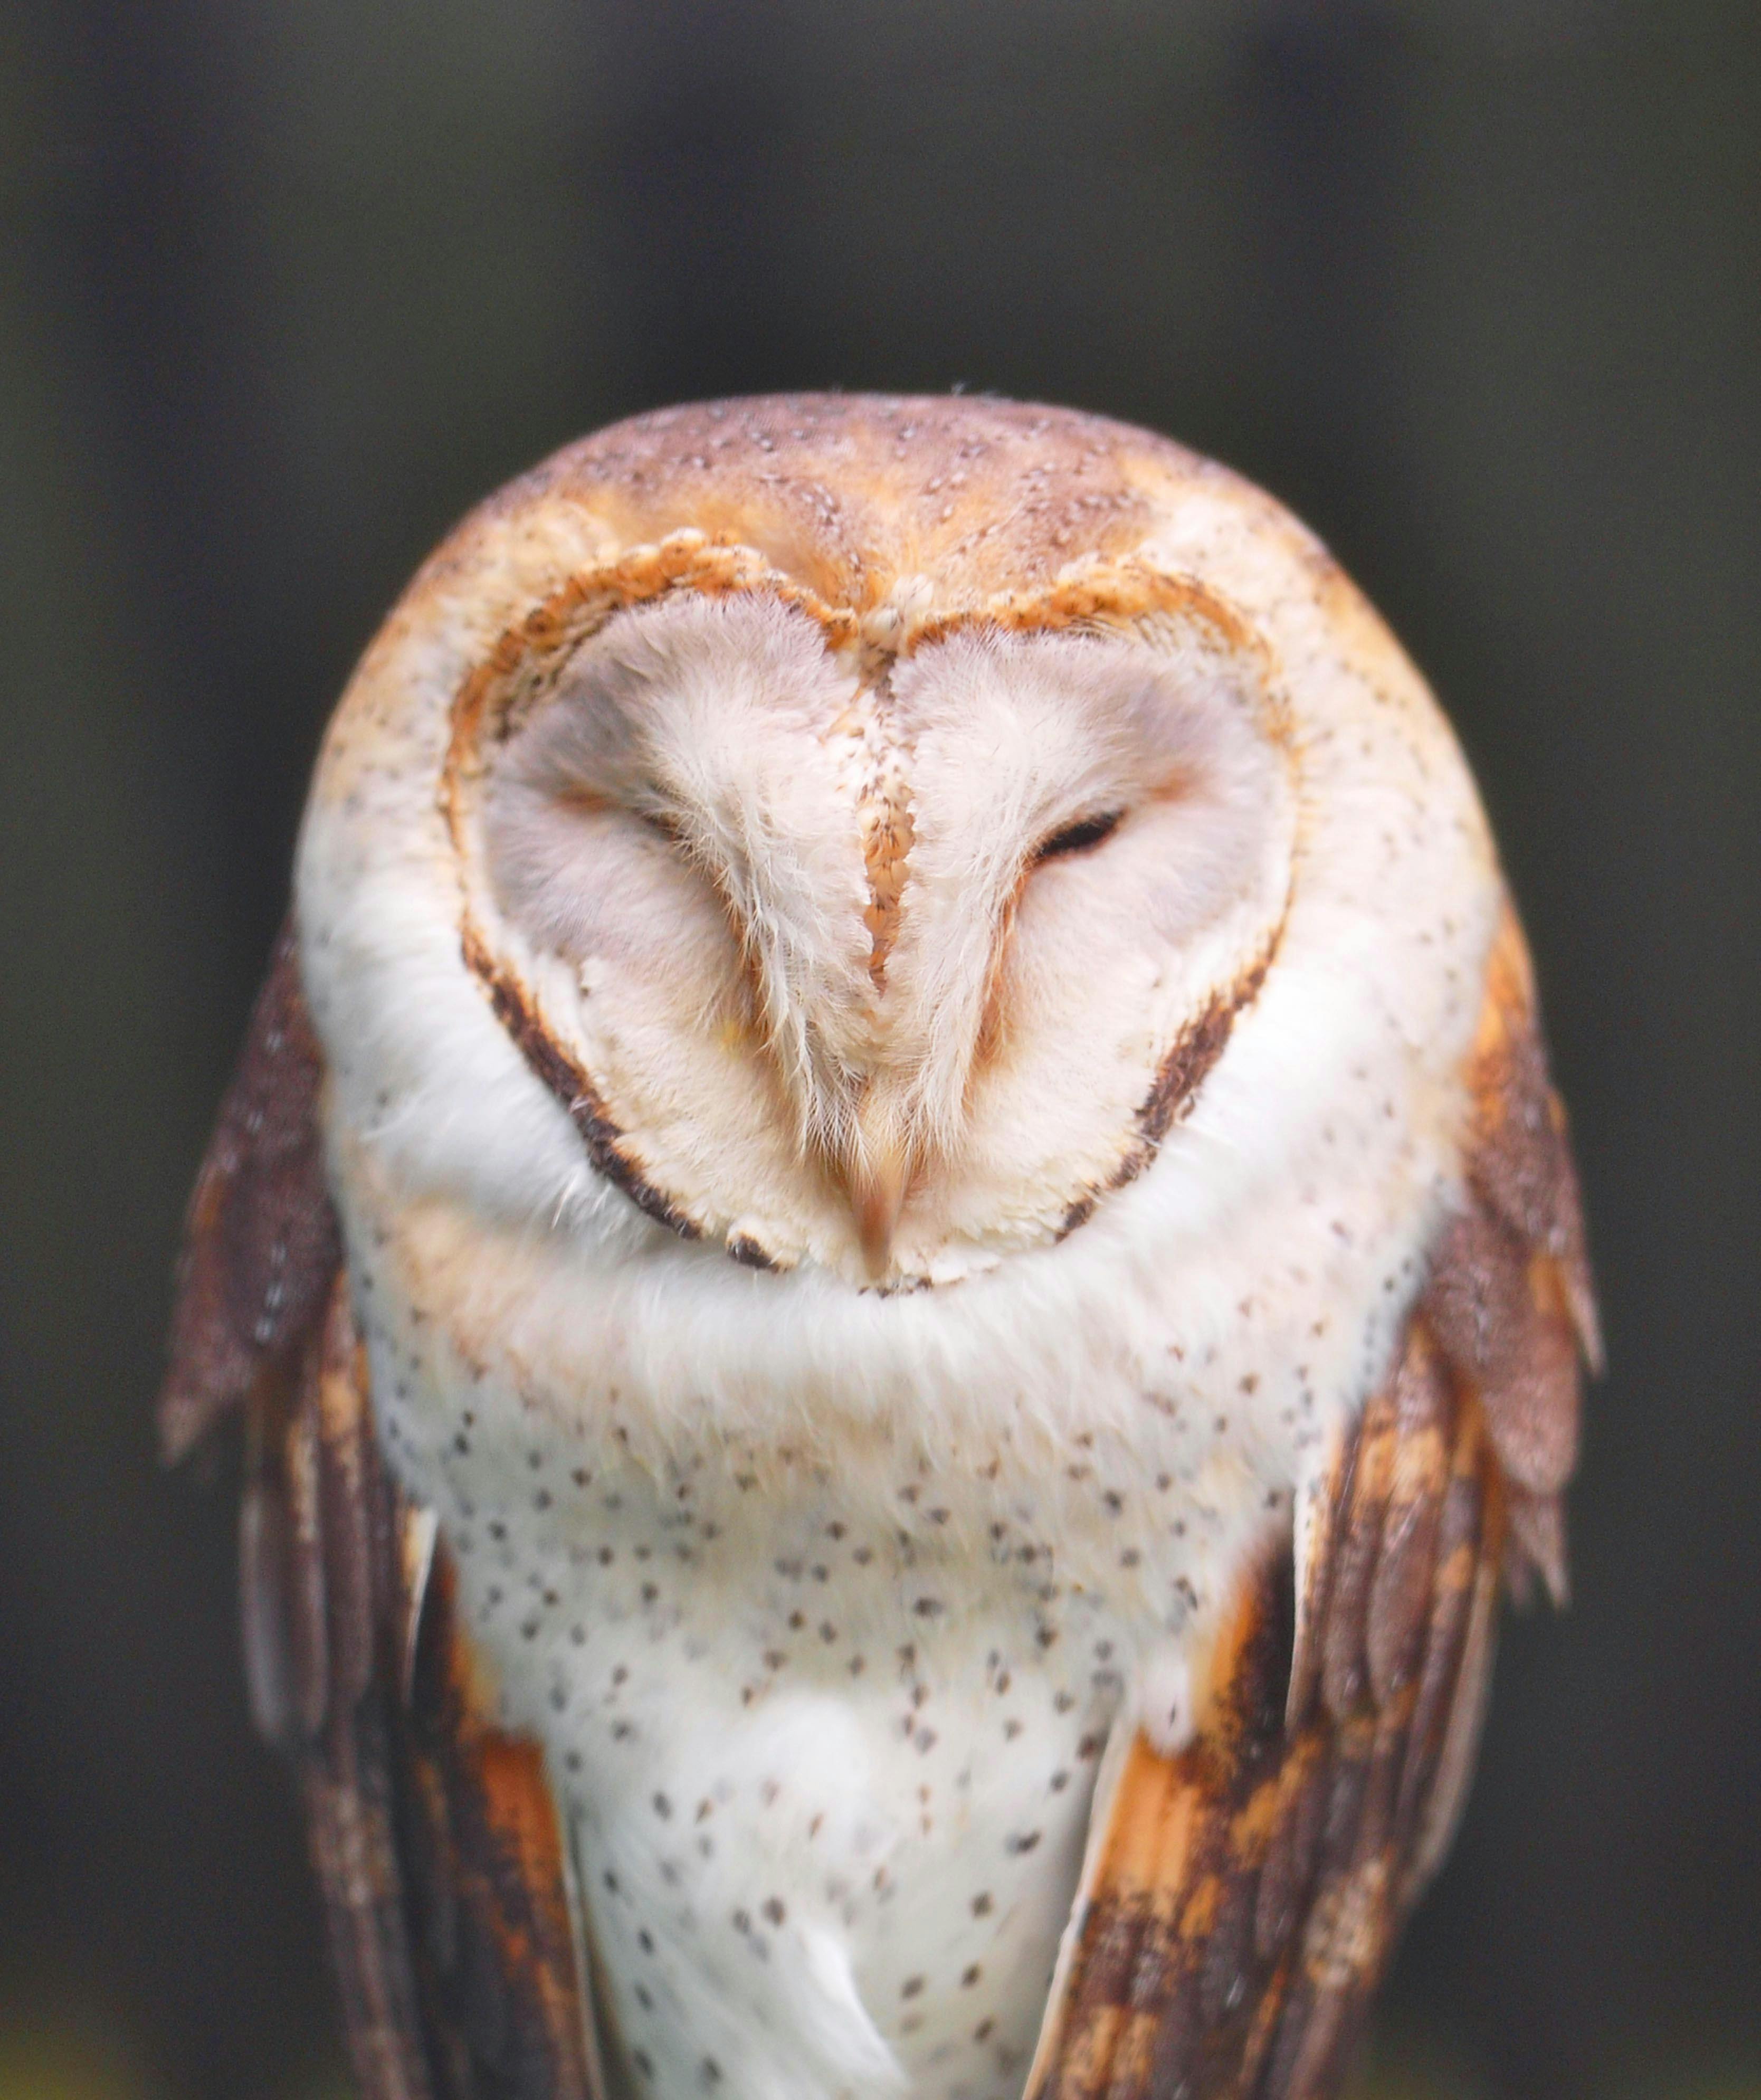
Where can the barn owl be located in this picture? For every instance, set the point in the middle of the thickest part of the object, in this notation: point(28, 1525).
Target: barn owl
point(901, 1271)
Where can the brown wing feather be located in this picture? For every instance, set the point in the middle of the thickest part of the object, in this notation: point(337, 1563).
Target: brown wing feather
point(1241, 1900)
point(432, 1834)
point(1247, 1895)
point(486, 1849)
point(260, 1243)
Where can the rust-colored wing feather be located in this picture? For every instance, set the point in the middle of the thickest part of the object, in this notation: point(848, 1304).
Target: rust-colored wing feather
point(1240, 1900)
point(434, 1834)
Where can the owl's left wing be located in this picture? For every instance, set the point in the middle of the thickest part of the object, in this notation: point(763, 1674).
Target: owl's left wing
point(434, 1838)
point(1240, 1900)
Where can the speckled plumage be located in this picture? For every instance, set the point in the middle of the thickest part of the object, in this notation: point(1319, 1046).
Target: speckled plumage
point(899, 982)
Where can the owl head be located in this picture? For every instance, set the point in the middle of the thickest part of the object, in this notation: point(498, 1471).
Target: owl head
point(862, 833)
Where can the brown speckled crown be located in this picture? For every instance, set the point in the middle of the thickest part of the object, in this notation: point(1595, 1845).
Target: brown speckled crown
point(847, 492)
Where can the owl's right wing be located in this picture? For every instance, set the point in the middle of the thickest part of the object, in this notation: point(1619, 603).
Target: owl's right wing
point(436, 1843)
point(1240, 1900)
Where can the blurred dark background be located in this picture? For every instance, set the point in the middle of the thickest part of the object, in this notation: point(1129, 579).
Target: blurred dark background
point(1474, 285)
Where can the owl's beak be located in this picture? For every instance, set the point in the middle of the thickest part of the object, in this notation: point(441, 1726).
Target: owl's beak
point(877, 1186)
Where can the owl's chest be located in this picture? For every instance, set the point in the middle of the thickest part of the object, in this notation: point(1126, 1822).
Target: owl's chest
point(825, 1738)
point(806, 1769)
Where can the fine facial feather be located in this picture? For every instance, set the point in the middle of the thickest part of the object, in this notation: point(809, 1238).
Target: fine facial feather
point(693, 790)
point(675, 808)
point(1011, 739)
point(721, 727)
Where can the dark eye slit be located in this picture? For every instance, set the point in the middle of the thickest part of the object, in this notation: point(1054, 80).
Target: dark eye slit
point(664, 822)
point(1079, 837)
